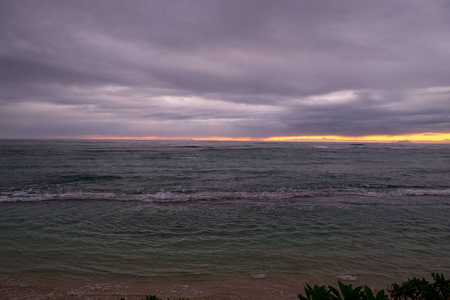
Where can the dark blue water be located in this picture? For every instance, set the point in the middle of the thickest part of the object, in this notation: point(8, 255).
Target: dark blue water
point(127, 211)
point(127, 170)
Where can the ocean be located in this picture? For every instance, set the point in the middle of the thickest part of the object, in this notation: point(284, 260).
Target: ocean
point(96, 219)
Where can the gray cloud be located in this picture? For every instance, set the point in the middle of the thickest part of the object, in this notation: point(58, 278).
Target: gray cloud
point(232, 68)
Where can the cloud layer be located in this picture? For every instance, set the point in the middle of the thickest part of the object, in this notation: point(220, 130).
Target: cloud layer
point(223, 68)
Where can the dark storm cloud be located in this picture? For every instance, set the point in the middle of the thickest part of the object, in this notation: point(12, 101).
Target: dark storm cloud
point(233, 68)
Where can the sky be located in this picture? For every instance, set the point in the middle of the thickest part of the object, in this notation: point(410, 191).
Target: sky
point(246, 69)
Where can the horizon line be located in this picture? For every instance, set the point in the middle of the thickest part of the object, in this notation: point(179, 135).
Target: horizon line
point(428, 137)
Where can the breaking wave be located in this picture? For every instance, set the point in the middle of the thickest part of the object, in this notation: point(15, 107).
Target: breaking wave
point(211, 196)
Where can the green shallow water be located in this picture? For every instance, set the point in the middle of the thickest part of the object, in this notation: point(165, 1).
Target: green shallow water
point(322, 236)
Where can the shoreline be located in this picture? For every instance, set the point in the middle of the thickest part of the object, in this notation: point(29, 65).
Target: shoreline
point(279, 286)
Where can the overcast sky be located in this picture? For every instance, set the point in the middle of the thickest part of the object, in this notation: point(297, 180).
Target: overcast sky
point(223, 68)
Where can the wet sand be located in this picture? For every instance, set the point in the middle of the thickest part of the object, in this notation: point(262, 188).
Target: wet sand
point(258, 286)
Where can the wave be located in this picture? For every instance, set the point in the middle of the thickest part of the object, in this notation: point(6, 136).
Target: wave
point(215, 196)
point(88, 177)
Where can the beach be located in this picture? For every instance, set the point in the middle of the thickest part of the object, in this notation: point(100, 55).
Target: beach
point(248, 287)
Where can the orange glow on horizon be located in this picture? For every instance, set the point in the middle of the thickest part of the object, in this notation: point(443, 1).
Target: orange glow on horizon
point(415, 137)
point(154, 138)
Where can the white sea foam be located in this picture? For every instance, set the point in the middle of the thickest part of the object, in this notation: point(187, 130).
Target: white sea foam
point(12, 282)
point(200, 196)
point(402, 192)
point(259, 276)
point(347, 277)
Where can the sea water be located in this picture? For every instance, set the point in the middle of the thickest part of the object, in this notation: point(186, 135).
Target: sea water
point(217, 220)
